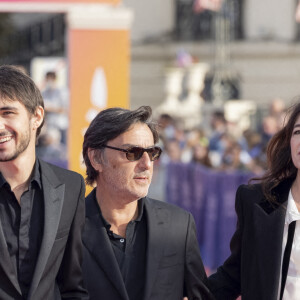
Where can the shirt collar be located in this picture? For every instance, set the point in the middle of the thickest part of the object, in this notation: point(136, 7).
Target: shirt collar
point(138, 219)
point(140, 209)
point(2, 180)
point(36, 176)
point(292, 213)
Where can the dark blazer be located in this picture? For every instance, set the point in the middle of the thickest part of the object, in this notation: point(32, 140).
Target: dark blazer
point(254, 266)
point(58, 273)
point(173, 258)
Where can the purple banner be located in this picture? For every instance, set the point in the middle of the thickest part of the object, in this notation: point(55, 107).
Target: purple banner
point(209, 195)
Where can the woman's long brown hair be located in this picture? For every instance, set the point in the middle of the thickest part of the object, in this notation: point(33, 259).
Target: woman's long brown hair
point(279, 159)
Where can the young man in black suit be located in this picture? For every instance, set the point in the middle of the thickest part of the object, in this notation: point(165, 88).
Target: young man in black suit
point(134, 247)
point(41, 206)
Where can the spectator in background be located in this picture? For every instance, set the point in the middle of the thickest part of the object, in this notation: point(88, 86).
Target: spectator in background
point(219, 128)
point(200, 154)
point(197, 145)
point(166, 127)
point(173, 139)
point(233, 156)
point(256, 151)
point(50, 148)
point(172, 151)
point(269, 128)
point(278, 111)
point(56, 106)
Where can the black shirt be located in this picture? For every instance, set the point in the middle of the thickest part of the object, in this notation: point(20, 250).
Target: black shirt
point(23, 226)
point(130, 253)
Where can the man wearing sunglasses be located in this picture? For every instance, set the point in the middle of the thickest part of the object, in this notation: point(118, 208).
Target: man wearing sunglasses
point(135, 248)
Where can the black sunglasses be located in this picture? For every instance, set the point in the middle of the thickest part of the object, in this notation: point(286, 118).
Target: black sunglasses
point(135, 153)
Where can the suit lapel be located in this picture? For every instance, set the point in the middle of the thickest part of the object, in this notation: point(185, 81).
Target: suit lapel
point(53, 191)
point(157, 220)
point(95, 239)
point(268, 231)
point(5, 262)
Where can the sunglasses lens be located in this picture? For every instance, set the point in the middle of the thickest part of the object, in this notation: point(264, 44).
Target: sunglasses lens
point(135, 153)
point(154, 153)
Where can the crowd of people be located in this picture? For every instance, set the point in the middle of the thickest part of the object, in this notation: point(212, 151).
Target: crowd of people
point(220, 147)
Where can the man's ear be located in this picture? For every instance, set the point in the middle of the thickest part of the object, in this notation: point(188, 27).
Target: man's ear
point(95, 159)
point(38, 117)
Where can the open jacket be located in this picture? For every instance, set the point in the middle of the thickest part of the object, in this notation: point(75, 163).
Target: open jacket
point(58, 273)
point(254, 266)
point(173, 258)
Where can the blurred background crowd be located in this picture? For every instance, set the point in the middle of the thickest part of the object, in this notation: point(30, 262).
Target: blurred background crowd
point(221, 146)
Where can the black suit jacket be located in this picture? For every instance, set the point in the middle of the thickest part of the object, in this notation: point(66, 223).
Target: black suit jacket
point(58, 273)
point(254, 266)
point(173, 258)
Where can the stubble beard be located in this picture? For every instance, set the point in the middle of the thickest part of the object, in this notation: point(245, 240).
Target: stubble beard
point(20, 148)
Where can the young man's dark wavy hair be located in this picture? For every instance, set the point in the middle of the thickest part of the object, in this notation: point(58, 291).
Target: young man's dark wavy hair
point(109, 124)
point(15, 85)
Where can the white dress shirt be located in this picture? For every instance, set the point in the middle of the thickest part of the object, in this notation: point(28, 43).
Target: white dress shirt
point(292, 285)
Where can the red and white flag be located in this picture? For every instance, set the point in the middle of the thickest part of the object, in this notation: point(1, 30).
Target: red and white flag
point(201, 5)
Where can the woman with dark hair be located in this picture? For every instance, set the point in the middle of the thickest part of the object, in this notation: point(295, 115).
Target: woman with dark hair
point(265, 249)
